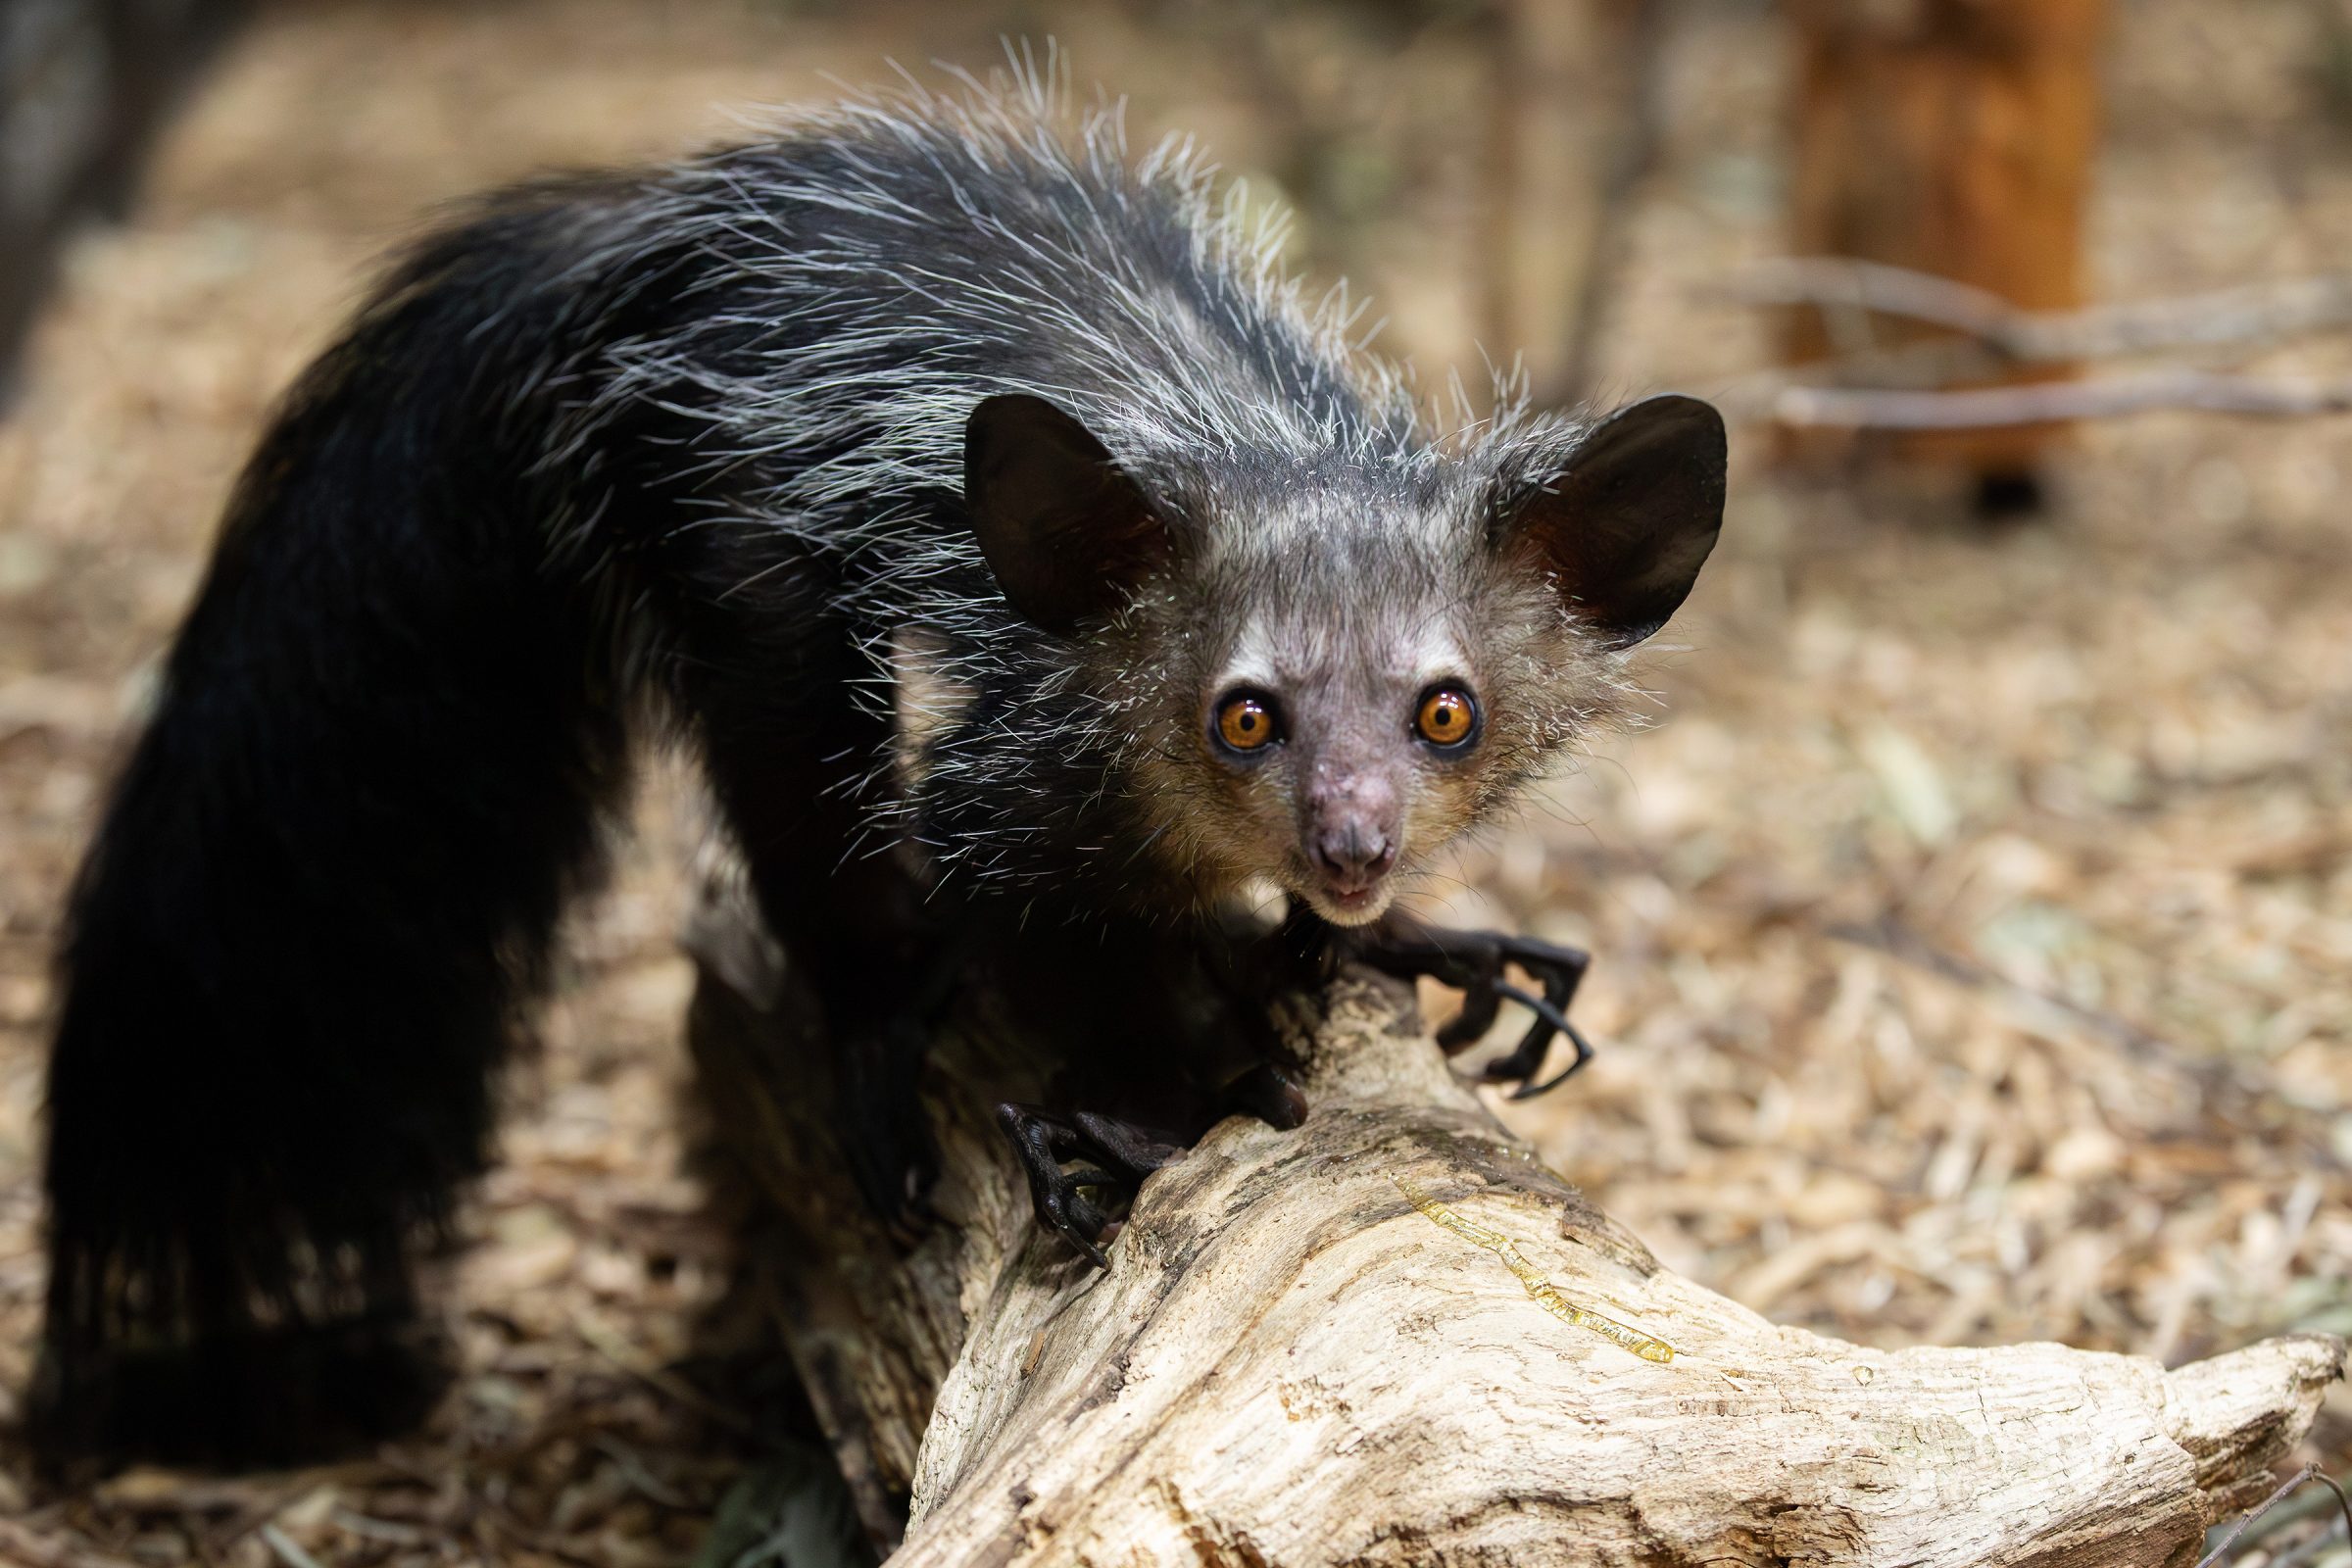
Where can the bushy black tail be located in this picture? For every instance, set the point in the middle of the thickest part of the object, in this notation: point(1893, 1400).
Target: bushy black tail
point(329, 876)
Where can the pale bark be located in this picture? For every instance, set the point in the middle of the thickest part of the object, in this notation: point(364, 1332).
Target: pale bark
point(1290, 1363)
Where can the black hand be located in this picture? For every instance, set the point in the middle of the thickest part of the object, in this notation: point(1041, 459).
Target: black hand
point(1474, 962)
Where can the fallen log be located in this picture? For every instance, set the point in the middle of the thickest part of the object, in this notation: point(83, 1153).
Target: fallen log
point(1392, 1335)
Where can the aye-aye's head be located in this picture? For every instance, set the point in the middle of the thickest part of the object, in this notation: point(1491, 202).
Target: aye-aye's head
point(1326, 671)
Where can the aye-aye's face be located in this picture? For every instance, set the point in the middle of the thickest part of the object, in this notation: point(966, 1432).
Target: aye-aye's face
point(1352, 694)
point(1325, 681)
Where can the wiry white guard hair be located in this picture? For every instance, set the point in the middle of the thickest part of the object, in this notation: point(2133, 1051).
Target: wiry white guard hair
point(823, 308)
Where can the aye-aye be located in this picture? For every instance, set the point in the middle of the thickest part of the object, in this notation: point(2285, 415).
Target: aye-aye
point(1034, 575)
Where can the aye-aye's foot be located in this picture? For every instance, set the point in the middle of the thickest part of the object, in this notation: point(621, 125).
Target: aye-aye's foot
point(1119, 1155)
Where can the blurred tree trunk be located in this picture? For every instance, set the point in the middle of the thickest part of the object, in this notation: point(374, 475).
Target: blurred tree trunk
point(1573, 122)
point(1954, 137)
point(83, 86)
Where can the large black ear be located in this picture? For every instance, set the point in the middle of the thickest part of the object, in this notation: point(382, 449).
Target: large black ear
point(1066, 531)
point(1625, 523)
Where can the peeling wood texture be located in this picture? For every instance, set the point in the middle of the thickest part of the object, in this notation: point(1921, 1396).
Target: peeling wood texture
point(1291, 1362)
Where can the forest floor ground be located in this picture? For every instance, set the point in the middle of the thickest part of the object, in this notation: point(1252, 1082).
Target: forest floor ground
point(1972, 928)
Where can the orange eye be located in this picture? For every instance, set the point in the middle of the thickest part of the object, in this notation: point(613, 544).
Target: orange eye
point(1447, 716)
point(1246, 722)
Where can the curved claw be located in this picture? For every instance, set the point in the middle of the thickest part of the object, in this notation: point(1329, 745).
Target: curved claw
point(1080, 1230)
point(1077, 1221)
point(1526, 1057)
point(1522, 1063)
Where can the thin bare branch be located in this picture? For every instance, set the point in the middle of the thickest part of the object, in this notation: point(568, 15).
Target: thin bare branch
point(2039, 403)
point(1641, 50)
point(2251, 313)
point(2309, 1472)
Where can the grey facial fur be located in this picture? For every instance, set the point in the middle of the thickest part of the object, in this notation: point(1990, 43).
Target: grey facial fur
point(880, 270)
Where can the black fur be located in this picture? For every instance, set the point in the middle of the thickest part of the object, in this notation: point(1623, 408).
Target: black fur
point(689, 443)
point(332, 866)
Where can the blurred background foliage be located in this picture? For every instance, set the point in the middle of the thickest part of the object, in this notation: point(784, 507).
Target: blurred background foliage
point(1972, 927)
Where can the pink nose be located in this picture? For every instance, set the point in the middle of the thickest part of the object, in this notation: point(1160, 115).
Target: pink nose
point(1355, 851)
point(1352, 825)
